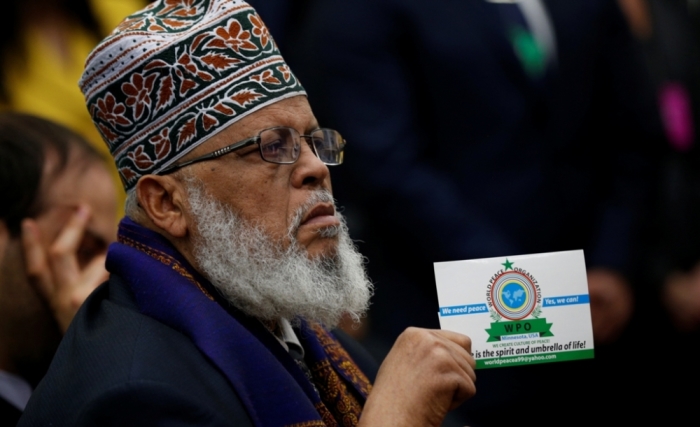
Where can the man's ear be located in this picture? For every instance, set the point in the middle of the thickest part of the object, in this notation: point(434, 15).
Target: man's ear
point(163, 198)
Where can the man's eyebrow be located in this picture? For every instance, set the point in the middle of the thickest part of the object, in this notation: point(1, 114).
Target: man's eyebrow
point(312, 127)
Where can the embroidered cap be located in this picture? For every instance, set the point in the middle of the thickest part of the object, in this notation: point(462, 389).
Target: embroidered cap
point(174, 74)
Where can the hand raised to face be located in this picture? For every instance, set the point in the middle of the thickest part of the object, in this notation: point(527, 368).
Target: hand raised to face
point(64, 274)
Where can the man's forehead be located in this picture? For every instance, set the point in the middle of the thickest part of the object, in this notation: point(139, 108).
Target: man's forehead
point(294, 112)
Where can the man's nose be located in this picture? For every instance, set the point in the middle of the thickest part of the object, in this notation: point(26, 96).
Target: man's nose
point(309, 170)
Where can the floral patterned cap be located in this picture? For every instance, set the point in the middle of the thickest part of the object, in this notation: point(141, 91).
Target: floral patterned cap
point(174, 74)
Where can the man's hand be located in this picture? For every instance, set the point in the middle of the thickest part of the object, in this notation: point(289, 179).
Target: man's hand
point(55, 271)
point(681, 294)
point(426, 374)
point(611, 304)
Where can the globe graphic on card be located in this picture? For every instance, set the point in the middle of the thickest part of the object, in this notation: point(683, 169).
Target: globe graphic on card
point(514, 295)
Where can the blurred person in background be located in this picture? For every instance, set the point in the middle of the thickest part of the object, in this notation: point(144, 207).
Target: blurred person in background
point(43, 46)
point(669, 33)
point(56, 220)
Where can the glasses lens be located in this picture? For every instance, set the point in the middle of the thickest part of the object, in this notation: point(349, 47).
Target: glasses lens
point(280, 145)
point(329, 146)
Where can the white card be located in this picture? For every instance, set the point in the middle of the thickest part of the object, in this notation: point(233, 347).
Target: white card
point(518, 310)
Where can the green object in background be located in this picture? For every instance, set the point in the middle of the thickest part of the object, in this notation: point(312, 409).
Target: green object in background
point(528, 51)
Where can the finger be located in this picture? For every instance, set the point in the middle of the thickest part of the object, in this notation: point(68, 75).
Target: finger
point(37, 267)
point(464, 359)
point(465, 391)
point(62, 255)
point(69, 298)
point(457, 369)
point(459, 346)
point(466, 387)
point(460, 339)
point(94, 275)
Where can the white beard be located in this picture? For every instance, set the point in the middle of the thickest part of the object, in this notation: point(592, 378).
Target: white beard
point(265, 281)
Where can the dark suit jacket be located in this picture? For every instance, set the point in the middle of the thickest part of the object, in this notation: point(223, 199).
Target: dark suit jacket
point(119, 367)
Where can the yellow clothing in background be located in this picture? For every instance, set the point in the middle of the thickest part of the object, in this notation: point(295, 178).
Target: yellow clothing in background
point(45, 83)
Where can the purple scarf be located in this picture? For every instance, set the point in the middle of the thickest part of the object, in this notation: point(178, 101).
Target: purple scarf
point(268, 381)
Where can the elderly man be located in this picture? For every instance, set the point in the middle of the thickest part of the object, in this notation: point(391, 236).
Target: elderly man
point(56, 220)
point(232, 262)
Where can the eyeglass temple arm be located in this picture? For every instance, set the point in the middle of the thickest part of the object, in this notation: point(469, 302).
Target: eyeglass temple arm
point(213, 155)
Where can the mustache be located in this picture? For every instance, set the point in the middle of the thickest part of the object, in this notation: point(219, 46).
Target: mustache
point(318, 196)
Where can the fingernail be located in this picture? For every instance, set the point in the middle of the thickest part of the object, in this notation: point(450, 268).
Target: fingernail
point(83, 212)
point(27, 228)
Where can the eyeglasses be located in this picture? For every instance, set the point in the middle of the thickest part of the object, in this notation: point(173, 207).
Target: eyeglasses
point(282, 145)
